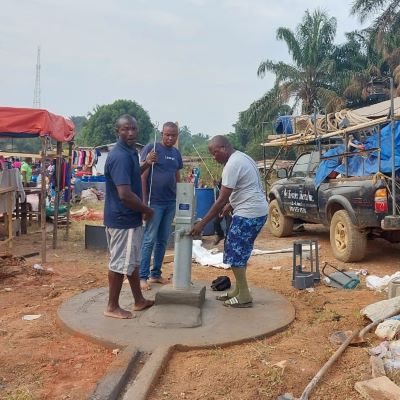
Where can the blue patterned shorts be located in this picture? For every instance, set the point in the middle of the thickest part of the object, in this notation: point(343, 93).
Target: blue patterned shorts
point(240, 240)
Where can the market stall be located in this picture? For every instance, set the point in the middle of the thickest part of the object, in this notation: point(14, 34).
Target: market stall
point(22, 123)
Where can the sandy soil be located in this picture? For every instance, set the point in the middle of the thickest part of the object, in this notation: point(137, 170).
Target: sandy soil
point(38, 360)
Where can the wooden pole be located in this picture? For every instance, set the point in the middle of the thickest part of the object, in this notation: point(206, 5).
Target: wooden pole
point(68, 188)
point(57, 197)
point(43, 197)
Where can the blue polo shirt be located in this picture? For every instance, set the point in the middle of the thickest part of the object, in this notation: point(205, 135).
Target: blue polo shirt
point(121, 168)
point(169, 160)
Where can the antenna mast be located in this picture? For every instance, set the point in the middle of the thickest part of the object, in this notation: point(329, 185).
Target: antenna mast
point(36, 93)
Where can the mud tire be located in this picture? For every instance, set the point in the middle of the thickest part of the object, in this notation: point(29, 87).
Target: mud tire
point(278, 224)
point(347, 242)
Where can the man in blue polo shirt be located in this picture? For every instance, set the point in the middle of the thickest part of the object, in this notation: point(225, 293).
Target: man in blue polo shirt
point(123, 211)
point(159, 192)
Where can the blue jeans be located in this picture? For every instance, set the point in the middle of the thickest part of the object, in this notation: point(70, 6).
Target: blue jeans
point(156, 235)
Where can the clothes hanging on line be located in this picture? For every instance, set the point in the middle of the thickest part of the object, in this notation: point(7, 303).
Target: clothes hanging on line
point(86, 158)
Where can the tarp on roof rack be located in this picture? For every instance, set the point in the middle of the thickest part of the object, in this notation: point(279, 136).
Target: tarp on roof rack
point(31, 122)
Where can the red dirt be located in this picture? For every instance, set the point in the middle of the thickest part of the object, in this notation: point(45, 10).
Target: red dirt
point(38, 360)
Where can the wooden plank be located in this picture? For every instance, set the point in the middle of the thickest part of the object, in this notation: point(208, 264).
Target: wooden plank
point(381, 388)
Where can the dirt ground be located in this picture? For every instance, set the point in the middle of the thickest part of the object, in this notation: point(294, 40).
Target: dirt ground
point(38, 360)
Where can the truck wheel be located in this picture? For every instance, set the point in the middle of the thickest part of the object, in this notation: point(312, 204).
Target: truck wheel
point(279, 225)
point(347, 242)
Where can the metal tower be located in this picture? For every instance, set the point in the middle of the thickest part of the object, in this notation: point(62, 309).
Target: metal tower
point(36, 93)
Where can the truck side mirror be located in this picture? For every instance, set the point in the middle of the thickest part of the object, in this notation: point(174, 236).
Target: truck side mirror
point(281, 173)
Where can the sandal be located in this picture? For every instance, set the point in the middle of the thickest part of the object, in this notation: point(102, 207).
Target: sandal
point(223, 297)
point(234, 303)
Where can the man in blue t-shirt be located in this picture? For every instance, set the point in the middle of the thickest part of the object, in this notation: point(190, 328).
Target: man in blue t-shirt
point(159, 192)
point(123, 210)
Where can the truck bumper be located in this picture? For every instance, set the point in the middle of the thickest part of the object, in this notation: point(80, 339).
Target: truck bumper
point(391, 222)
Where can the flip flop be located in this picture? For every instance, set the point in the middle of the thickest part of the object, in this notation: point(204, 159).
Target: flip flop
point(148, 304)
point(234, 303)
point(223, 297)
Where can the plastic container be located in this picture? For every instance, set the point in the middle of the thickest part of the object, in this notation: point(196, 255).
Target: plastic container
point(204, 201)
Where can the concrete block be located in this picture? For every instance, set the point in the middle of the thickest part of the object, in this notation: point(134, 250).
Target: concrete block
point(381, 388)
point(377, 367)
point(116, 377)
point(194, 296)
point(172, 316)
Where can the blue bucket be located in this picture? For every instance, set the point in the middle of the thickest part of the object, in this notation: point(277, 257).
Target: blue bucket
point(204, 201)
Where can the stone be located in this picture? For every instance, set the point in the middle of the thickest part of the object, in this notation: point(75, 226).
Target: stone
point(377, 367)
point(381, 388)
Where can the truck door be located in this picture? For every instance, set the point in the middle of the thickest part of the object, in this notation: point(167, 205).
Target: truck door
point(299, 195)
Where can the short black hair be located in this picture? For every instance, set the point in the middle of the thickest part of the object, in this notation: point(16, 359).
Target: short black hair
point(170, 124)
point(125, 118)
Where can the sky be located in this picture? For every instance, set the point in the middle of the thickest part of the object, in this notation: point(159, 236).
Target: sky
point(190, 61)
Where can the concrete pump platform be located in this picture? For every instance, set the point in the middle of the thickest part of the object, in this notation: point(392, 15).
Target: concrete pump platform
point(83, 315)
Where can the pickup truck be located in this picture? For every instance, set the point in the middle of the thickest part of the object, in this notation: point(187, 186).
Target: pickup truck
point(354, 208)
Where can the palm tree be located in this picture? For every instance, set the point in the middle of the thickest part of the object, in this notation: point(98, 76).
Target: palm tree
point(309, 78)
point(385, 28)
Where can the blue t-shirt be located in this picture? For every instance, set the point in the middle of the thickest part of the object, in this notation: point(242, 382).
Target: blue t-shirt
point(121, 168)
point(169, 160)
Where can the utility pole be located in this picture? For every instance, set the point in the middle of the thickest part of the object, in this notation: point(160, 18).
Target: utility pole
point(36, 93)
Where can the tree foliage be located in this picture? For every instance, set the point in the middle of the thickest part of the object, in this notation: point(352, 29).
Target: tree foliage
point(307, 78)
point(79, 122)
point(100, 126)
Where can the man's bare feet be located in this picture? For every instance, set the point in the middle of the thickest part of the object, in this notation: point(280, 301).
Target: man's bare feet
point(144, 285)
point(118, 313)
point(161, 280)
point(143, 305)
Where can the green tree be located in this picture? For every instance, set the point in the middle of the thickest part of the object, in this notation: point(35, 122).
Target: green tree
point(187, 141)
point(79, 122)
point(386, 20)
point(308, 78)
point(100, 126)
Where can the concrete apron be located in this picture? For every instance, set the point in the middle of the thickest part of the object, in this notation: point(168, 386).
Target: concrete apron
point(220, 326)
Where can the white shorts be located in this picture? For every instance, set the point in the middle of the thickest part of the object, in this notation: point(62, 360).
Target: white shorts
point(124, 246)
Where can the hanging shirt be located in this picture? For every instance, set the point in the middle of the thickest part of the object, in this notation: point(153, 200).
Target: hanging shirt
point(25, 167)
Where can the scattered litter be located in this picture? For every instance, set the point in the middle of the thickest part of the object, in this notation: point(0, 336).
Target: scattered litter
point(205, 257)
point(38, 267)
point(276, 268)
point(281, 365)
point(389, 352)
point(8, 289)
point(92, 281)
point(310, 290)
point(376, 283)
point(381, 309)
point(51, 270)
point(340, 279)
point(116, 351)
point(31, 317)
point(362, 272)
point(388, 329)
point(56, 255)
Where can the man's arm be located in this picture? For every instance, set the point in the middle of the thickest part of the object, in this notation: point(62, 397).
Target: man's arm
point(223, 198)
point(178, 176)
point(149, 160)
point(132, 201)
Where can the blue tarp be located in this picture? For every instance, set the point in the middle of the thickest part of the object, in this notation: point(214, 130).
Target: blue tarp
point(283, 125)
point(363, 164)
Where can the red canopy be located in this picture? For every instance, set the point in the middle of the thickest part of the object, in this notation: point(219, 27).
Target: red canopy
point(29, 122)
